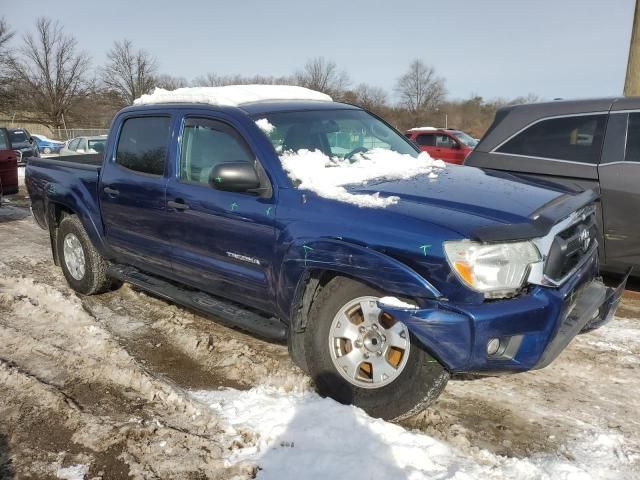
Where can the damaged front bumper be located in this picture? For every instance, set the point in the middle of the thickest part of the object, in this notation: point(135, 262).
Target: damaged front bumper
point(517, 334)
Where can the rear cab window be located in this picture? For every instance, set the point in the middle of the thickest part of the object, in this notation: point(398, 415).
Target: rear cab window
point(143, 144)
point(576, 138)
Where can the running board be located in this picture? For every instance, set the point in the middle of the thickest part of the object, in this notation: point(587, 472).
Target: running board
point(229, 313)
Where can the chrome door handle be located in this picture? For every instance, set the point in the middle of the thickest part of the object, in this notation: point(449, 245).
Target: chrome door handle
point(111, 191)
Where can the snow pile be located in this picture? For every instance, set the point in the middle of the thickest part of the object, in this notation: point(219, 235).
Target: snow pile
point(74, 472)
point(231, 95)
point(265, 125)
point(395, 302)
point(327, 176)
point(302, 435)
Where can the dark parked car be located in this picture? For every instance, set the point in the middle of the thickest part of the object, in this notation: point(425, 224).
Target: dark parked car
point(8, 166)
point(22, 143)
point(582, 144)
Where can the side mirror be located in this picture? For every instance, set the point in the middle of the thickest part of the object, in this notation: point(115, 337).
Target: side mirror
point(235, 177)
point(31, 139)
point(456, 146)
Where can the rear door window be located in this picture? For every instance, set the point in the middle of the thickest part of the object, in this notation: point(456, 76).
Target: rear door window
point(426, 139)
point(575, 138)
point(632, 151)
point(4, 145)
point(142, 146)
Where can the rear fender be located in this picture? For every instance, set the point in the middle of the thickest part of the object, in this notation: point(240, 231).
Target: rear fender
point(341, 257)
point(86, 212)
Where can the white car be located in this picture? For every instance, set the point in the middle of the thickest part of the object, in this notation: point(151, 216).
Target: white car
point(82, 145)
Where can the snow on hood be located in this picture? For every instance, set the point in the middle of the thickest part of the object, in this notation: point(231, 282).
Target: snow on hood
point(231, 95)
point(327, 176)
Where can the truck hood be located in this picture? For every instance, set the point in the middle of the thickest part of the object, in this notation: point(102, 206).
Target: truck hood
point(469, 200)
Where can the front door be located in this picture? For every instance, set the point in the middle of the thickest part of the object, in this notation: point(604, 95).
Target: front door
point(620, 190)
point(132, 194)
point(223, 241)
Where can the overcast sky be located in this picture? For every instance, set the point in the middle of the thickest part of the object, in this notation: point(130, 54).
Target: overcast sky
point(494, 48)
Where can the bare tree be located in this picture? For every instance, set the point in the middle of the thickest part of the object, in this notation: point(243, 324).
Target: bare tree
point(169, 82)
point(214, 80)
point(323, 75)
point(6, 90)
point(370, 97)
point(420, 89)
point(129, 72)
point(50, 71)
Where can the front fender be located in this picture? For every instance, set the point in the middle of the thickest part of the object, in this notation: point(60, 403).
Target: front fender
point(364, 264)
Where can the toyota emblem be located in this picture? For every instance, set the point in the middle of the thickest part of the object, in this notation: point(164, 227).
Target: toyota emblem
point(584, 238)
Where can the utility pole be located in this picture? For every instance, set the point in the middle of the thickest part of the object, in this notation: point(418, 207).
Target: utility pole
point(632, 81)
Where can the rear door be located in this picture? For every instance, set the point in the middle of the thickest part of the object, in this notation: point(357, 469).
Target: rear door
point(133, 193)
point(620, 187)
point(223, 241)
point(427, 143)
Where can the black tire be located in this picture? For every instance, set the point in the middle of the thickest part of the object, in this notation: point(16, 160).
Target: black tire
point(418, 385)
point(95, 279)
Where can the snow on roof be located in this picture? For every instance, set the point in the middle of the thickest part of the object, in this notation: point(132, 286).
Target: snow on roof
point(231, 95)
point(424, 128)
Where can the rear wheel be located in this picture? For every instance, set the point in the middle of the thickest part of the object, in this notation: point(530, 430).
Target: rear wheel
point(359, 355)
point(82, 265)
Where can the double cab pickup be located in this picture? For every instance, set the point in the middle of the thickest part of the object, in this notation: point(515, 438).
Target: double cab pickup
point(381, 300)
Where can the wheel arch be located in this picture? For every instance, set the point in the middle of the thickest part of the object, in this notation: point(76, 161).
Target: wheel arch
point(309, 265)
point(55, 213)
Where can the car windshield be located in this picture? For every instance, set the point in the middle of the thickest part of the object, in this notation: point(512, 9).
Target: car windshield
point(97, 145)
point(330, 151)
point(18, 136)
point(468, 140)
point(335, 133)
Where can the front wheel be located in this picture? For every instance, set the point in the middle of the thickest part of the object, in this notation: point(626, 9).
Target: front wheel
point(359, 355)
point(46, 150)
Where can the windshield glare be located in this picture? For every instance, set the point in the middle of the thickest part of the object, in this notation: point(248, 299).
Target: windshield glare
point(336, 133)
point(466, 139)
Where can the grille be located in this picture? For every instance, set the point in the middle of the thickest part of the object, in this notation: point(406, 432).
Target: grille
point(569, 247)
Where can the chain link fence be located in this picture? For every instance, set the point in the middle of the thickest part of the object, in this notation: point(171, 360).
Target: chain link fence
point(69, 133)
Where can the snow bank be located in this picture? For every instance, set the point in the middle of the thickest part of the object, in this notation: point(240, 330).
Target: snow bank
point(327, 176)
point(74, 472)
point(397, 303)
point(231, 95)
point(301, 435)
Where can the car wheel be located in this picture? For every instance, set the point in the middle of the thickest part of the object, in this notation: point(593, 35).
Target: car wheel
point(46, 150)
point(82, 265)
point(359, 355)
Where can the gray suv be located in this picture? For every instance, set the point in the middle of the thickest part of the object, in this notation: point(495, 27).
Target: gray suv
point(581, 144)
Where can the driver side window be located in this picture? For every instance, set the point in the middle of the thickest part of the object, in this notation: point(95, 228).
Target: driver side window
point(207, 143)
point(73, 145)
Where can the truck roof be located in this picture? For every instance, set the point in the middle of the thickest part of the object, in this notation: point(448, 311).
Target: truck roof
point(253, 108)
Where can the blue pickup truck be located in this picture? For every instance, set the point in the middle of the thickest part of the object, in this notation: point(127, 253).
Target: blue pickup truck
point(383, 287)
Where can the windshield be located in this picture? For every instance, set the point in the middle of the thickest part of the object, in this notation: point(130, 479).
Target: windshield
point(335, 133)
point(468, 140)
point(332, 152)
point(97, 145)
point(18, 136)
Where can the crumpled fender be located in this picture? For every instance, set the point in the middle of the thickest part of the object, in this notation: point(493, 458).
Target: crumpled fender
point(362, 263)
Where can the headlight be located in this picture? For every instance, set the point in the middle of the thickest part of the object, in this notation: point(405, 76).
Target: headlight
point(497, 270)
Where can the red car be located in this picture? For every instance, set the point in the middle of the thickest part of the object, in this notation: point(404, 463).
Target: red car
point(447, 144)
point(8, 166)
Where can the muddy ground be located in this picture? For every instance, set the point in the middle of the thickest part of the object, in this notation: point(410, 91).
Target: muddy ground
point(103, 382)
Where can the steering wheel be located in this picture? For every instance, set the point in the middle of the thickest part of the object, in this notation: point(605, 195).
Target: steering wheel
point(354, 151)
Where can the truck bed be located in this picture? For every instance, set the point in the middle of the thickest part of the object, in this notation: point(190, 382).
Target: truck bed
point(91, 159)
